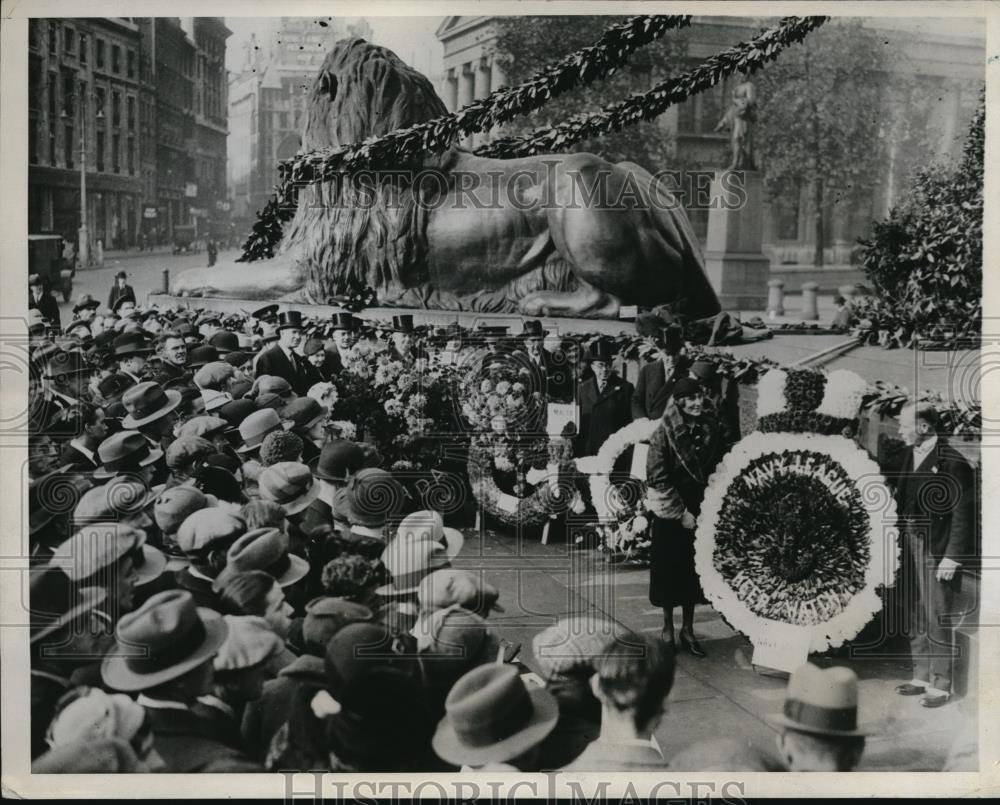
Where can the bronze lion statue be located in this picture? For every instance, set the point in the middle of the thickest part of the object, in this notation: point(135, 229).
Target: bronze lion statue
point(566, 234)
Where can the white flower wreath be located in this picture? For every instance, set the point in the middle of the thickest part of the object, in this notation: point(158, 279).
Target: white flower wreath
point(600, 467)
point(879, 510)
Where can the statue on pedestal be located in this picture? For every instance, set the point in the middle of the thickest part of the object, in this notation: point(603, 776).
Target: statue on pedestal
point(739, 119)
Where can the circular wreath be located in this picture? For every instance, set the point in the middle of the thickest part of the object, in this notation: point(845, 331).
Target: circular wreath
point(803, 534)
point(541, 502)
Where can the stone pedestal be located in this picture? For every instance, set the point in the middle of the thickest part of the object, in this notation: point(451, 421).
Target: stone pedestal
point(736, 267)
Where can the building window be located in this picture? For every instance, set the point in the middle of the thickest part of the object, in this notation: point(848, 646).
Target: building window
point(69, 40)
point(101, 99)
point(116, 109)
point(52, 144)
point(130, 112)
point(33, 139)
point(100, 151)
point(68, 146)
point(68, 96)
point(83, 48)
point(283, 120)
point(99, 56)
point(130, 156)
point(116, 158)
point(116, 59)
point(53, 38)
point(131, 64)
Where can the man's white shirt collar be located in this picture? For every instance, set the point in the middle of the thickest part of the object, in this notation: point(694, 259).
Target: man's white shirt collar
point(922, 450)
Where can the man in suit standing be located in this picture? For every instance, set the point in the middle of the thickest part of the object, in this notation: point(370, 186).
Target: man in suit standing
point(402, 340)
point(935, 500)
point(657, 378)
point(42, 301)
point(538, 360)
point(281, 360)
point(343, 330)
point(604, 400)
point(120, 290)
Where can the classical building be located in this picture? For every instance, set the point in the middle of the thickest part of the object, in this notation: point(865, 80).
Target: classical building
point(85, 93)
point(267, 100)
point(946, 59)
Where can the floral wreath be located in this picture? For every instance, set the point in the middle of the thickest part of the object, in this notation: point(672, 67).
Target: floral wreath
point(622, 522)
point(804, 534)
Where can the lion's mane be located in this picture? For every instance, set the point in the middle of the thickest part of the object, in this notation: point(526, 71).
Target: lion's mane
point(363, 230)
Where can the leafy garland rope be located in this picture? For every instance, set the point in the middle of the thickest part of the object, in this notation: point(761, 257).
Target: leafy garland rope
point(744, 58)
point(589, 64)
point(582, 67)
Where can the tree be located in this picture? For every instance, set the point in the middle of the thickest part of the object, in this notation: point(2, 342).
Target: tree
point(819, 117)
point(524, 45)
point(926, 260)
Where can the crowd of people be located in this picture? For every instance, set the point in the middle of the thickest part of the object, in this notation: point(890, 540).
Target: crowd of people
point(230, 590)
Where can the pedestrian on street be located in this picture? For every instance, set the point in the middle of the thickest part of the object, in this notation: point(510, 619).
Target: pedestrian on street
point(120, 290)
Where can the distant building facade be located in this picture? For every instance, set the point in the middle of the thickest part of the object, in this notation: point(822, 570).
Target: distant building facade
point(948, 63)
point(267, 105)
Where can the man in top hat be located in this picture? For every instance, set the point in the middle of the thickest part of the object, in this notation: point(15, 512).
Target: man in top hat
point(85, 308)
point(632, 679)
point(939, 534)
point(281, 359)
point(494, 722)
point(402, 339)
point(605, 401)
point(130, 351)
point(120, 290)
point(41, 300)
point(173, 354)
point(819, 720)
point(657, 378)
point(343, 331)
point(535, 355)
point(169, 672)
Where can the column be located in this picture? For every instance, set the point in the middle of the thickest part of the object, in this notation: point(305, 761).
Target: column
point(497, 80)
point(466, 93)
point(451, 93)
point(481, 89)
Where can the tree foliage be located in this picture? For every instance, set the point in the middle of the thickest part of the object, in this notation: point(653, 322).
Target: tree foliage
point(926, 260)
point(819, 117)
point(526, 44)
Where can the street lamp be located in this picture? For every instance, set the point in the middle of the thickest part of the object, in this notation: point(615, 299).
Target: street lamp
point(84, 239)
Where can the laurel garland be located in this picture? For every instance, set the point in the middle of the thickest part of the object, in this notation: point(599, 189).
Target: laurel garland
point(581, 68)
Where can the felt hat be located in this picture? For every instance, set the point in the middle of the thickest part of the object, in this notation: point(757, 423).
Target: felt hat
point(201, 355)
point(162, 640)
point(225, 342)
point(705, 371)
point(288, 319)
point(209, 317)
point(56, 602)
point(121, 300)
point(326, 616)
point(63, 364)
point(121, 275)
point(256, 426)
point(304, 412)
point(429, 525)
point(189, 332)
point(185, 452)
point(173, 506)
point(130, 344)
point(266, 313)
point(263, 549)
point(686, 387)
point(312, 347)
point(402, 323)
point(127, 449)
point(113, 386)
point(492, 716)
point(453, 586)
point(570, 646)
point(213, 374)
point(237, 358)
point(532, 328)
point(272, 384)
point(34, 280)
point(52, 495)
point(219, 482)
point(338, 460)
point(408, 562)
point(98, 546)
point(203, 426)
point(147, 402)
point(289, 484)
point(85, 302)
point(250, 641)
point(236, 411)
point(121, 497)
point(357, 649)
point(821, 702)
point(370, 498)
point(209, 529)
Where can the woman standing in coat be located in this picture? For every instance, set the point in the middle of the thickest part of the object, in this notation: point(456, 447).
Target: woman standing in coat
point(682, 454)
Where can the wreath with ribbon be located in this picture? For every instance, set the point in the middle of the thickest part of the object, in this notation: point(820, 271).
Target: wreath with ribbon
point(803, 534)
point(623, 528)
